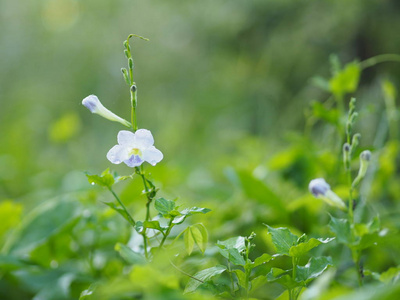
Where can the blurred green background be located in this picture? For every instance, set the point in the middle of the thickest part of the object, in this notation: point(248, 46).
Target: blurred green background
point(214, 74)
point(224, 86)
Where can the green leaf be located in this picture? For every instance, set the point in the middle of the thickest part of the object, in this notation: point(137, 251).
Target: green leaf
point(345, 80)
point(283, 239)
point(341, 228)
point(314, 268)
point(42, 223)
point(129, 255)
point(235, 242)
point(164, 206)
point(262, 260)
point(106, 179)
point(303, 248)
point(232, 248)
point(189, 212)
point(203, 240)
point(258, 282)
point(282, 277)
point(241, 276)
point(329, 115)
point(189, 240)
point(389, 275)
point(204, 275)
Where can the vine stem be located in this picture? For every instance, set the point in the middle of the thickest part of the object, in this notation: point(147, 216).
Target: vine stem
point(131, 220)
point(166, 233)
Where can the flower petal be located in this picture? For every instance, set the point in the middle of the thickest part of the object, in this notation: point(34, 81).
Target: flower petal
point(118, 154)
point(126, 138)
point(92, 103)
point(152, 155)
point(143, 138)
point(134, 161)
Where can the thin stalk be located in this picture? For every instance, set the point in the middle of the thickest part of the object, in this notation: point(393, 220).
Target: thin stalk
point(131, 220)
point(183, 272)
point(370, 62)
point(170, 225)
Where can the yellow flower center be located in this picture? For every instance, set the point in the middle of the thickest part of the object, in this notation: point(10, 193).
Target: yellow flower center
point(135, 151)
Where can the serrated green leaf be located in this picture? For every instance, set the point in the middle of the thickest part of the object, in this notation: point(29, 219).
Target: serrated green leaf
point(129, 255)
point(341, 228)
point(231, 249)
point(164, 206)
point(235, 242)
point(303, 248)
point(314, 268)
point(262, 260)
point(204, 275)
point(282, 239)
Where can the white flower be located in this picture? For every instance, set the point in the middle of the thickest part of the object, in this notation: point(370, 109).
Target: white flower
point(94, 105)
point(322, 190)
point(135, 148)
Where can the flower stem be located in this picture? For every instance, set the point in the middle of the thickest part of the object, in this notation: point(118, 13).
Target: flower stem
point(170, 225)
point(131, 220)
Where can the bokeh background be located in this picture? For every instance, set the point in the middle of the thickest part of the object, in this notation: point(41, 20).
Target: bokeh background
point(225, 87)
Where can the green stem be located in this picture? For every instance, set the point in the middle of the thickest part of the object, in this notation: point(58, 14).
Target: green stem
point(187, 274)
point(370, 62)
point(131, 220)
point(170, 225)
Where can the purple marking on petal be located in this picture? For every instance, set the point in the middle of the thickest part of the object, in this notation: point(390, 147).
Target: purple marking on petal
point(134, 161)
point(318, 187)
point(91, 102)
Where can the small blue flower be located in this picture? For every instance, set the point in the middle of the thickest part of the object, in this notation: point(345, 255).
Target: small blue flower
point(135, 148)
point(93, 104)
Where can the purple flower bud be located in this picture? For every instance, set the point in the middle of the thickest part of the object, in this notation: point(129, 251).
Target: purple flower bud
point(318, 187)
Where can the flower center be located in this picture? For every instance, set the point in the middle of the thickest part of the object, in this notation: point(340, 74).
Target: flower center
point(135, 151)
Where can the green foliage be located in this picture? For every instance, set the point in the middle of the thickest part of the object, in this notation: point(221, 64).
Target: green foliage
point(203, 276)
point(106, 179)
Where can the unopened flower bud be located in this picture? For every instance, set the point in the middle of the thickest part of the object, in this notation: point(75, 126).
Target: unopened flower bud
point(94, 105)
point(346, 155)
point(130, 62)
point(365, 157)
point(322, 190)
point(125, 75)
point(126, 54)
